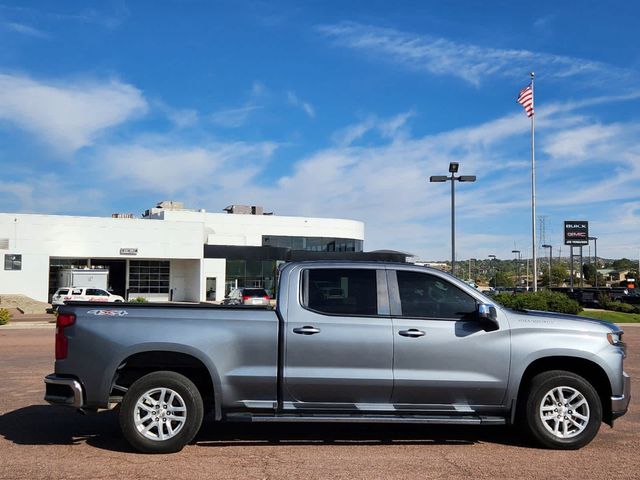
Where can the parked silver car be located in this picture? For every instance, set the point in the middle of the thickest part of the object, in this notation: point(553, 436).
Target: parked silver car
point(247, 296)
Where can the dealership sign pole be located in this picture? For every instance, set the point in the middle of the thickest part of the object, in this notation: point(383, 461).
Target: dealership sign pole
point(576, 232)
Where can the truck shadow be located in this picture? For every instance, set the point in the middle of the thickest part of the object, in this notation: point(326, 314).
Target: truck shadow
point(344, 434)
point(46, 425)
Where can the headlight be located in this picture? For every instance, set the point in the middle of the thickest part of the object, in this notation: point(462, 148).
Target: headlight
point(615, 338)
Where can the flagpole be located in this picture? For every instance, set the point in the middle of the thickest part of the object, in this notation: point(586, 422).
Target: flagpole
point(533, 194)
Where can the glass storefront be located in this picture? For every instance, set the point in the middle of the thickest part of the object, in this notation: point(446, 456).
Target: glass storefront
point(251, 273)
point(313, 244)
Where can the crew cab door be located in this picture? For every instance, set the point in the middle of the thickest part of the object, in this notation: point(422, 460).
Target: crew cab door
point(338, 349)
point(444, 356)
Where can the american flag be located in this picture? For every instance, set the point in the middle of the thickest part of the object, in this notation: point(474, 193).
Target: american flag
point(526, 99)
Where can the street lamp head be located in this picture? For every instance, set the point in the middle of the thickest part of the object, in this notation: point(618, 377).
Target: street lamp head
point(453, 167)
point(467, 178)
point(546, 246)
point(491, 256)
point(438, 178)
point(593, 238)
point(515, 251)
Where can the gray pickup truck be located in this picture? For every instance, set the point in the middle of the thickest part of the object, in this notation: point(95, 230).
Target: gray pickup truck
point(348, 342)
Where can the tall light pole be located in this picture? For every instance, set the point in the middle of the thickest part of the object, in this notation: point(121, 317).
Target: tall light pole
point(595, 252)
point(453, 169)
point(518, 259)
point(495, 280)
point(550, 247)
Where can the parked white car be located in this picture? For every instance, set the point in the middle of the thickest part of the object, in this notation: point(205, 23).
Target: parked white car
point(83, 294)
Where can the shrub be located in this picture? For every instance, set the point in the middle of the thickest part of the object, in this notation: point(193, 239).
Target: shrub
point(622, 307)
point(543, 300)
point(5, 316)
point(604, 299)
point(138, 300)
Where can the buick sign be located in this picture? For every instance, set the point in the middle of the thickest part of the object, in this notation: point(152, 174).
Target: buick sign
point(576, 232)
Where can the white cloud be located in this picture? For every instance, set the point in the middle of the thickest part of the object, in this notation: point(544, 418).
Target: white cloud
point(26, 30)
point(393, 128)
point(585, 142)
point(183, 118)
point(385, 182)
point(258, 89)
point(471, 63)
point(110, 19)
point(37, 195)
point(166, 166)
point(293, 100)
point(68, 115)
point(233, 117)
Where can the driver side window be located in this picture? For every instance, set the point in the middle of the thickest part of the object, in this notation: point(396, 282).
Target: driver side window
point(424, 295)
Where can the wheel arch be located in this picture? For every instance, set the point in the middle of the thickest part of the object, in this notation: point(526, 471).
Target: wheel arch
point(589, 370)
point(141, 363)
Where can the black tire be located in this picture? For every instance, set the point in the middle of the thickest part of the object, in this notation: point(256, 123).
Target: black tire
point(568, 383)
point(188, 397)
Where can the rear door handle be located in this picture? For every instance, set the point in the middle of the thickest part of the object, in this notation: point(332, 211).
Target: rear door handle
point(306, 330)
point(412, 332)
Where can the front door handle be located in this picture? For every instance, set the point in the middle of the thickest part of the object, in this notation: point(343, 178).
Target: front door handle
point(306, 330)
point(412, 332)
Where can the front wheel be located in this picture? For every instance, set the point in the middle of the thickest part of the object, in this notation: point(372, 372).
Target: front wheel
point(563, 410)
point(161, 412)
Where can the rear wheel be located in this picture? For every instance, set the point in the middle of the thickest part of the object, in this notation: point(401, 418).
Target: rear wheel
point(161, 412)
point(563, 410)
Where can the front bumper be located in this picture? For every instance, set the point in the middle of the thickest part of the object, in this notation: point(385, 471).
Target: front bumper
point(63, 391)
point(620, 403)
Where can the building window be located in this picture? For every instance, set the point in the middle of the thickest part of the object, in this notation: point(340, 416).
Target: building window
point(251, 274)
point(13, 262)
point(148, 276)
point(313, 244)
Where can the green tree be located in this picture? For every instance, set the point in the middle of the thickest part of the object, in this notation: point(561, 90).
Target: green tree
point(623, 264)
point(502, 279)
point(589, 271)
point(558, 274)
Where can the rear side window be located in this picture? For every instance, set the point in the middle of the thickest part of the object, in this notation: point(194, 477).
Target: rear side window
point(96, 292)
point(340, 291)
point(424, 295)
point(64, 291)
point(77, 291)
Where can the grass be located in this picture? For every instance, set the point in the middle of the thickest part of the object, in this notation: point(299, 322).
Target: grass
point(609, 316)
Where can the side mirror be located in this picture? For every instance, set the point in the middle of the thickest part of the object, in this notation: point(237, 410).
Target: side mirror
point(488, 316)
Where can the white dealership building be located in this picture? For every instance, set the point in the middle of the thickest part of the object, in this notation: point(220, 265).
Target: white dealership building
point(170, 253)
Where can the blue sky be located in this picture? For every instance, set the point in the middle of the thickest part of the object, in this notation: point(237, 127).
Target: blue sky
point(332, 109)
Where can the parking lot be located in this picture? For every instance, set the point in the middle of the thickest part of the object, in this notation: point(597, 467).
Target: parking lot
point(39, 441)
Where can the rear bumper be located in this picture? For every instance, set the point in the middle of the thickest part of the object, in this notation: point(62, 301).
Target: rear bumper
point(620, 403)
point(63, 391)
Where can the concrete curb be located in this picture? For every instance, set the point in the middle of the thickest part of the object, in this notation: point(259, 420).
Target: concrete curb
point(26, 325)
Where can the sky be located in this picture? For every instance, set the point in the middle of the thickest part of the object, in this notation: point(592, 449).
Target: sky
point(330, 109)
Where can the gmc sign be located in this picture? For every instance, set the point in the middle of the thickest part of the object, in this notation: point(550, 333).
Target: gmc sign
point(576, 232)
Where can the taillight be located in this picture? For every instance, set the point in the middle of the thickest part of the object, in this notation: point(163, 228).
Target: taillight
point(266, 297)
point(245, 298)
point(62, 346)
